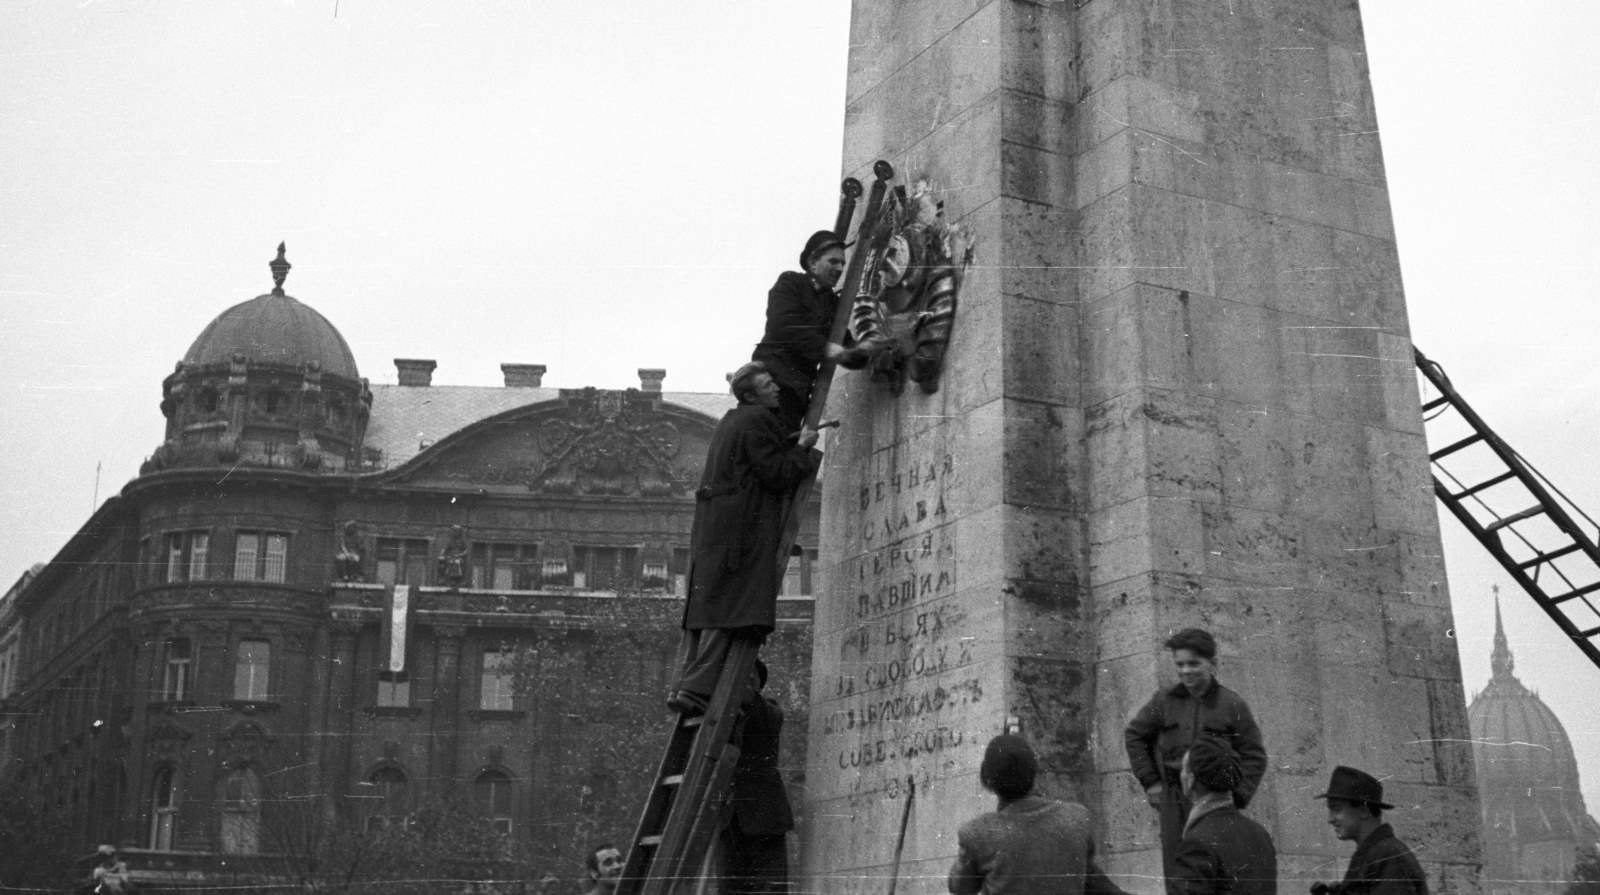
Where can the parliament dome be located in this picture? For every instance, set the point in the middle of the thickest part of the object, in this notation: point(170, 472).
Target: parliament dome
point(274, 329)
point(1534, 821)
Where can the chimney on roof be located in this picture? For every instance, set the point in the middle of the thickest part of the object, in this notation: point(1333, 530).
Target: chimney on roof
point(415, 372)
point(650, 379)
point(523, 375)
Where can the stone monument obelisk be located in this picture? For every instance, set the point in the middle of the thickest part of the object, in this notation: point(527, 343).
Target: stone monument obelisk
point(1178, 392)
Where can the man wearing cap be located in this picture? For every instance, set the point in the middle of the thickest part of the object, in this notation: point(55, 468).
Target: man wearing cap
point(1221, 850)
point(1028, 845)
point(1382, 864)
point(800, 312)
point(753, 465)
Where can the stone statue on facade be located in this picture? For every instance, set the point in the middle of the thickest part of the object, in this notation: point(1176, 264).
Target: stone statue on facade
point(453, 559)
point(347, 560)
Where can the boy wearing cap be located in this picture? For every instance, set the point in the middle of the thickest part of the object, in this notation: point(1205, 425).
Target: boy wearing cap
point(1167, 725)
point(800, 312)
point(1028, 845)
point(1221, 850)
point(1382, 864)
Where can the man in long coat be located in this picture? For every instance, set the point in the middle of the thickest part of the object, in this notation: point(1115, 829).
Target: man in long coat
point(752, 469)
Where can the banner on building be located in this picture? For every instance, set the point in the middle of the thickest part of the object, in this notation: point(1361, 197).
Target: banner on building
point(394, 628)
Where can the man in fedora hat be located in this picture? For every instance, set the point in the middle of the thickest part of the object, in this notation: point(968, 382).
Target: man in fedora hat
point(1382, 864)
point(800, 316)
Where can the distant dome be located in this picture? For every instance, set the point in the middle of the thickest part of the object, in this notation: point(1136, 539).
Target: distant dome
point(1527, 773)
point(1518, 740)
point(273, 329)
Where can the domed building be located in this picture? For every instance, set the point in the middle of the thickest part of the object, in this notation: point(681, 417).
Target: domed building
point(1534, 820)
point(328, 614)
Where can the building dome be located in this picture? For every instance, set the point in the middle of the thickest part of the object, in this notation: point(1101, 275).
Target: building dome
point(1534, 820)
point(1517, 741)
point(273, 329)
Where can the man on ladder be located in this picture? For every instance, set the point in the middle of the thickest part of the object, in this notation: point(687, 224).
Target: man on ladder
point(752, 469)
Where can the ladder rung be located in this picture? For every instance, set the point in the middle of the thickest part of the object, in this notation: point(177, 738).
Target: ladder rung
point(1574, 594)
point(650, 841)
point(1546, 557)
point(1514, 518)
point(1483, 485)
point(1589, 633)
point(1436, 402)
point(672, 780)
point(1449, 449)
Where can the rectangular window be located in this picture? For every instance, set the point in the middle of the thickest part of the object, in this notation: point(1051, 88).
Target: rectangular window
point(504, 566)
point(494, 690)
point(394, 693)
point(261, 556)
point(554, 572)
point(175, 682)
point(402, 561)
point(251, 667)
point(185, 556)
point(606, 568)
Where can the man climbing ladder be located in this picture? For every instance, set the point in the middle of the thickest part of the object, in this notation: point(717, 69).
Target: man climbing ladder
point(757, 475)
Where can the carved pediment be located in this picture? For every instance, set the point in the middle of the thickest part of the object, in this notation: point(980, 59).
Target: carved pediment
point(587, 443)
point(166, 739)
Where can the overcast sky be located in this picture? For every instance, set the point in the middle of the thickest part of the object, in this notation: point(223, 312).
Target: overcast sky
point(603, 187)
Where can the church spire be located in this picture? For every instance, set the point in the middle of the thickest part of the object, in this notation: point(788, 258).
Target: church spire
point(1500, 660)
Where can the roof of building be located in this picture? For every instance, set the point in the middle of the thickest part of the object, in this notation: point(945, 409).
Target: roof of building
point(273, 328)
point(406, 420)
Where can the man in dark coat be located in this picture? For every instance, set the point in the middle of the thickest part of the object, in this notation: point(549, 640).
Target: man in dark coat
point(755, 846)
point(1162, 731)
point(800, 314)
point(753, 466)
point(1382, 864)
point(1028, 845)
point(1221, 850)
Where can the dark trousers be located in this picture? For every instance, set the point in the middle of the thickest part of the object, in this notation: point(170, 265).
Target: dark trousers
point(754, 865)
point(705, 652)
point(1173, 812)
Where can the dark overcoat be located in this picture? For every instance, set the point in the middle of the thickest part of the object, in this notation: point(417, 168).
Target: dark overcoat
point(752, 469)
point(760, 802)
point(1382, 865)
point(1174, 718)
point(1224, 851)
point(799, 319)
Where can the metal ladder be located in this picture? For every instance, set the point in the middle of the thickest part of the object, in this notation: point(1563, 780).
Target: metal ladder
point(1543, 540)
point(684, 810)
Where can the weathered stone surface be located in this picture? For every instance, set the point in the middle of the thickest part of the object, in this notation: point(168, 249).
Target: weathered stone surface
point(1181, 394)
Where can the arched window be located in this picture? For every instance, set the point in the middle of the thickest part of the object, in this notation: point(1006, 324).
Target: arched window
point(390, 799)
point(492, 793)
point(163, 809)
point(241, 813)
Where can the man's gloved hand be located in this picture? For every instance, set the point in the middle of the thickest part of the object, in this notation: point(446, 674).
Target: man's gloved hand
point(1321, 888)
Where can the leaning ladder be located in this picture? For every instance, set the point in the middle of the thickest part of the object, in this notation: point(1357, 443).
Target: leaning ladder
point(685, 806)
point(1544, 541)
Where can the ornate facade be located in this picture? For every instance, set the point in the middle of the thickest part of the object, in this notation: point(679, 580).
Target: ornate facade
point(1535, 826)
point(330, 604)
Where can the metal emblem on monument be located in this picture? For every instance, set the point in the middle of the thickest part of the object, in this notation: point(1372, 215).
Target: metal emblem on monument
point(907, 301)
